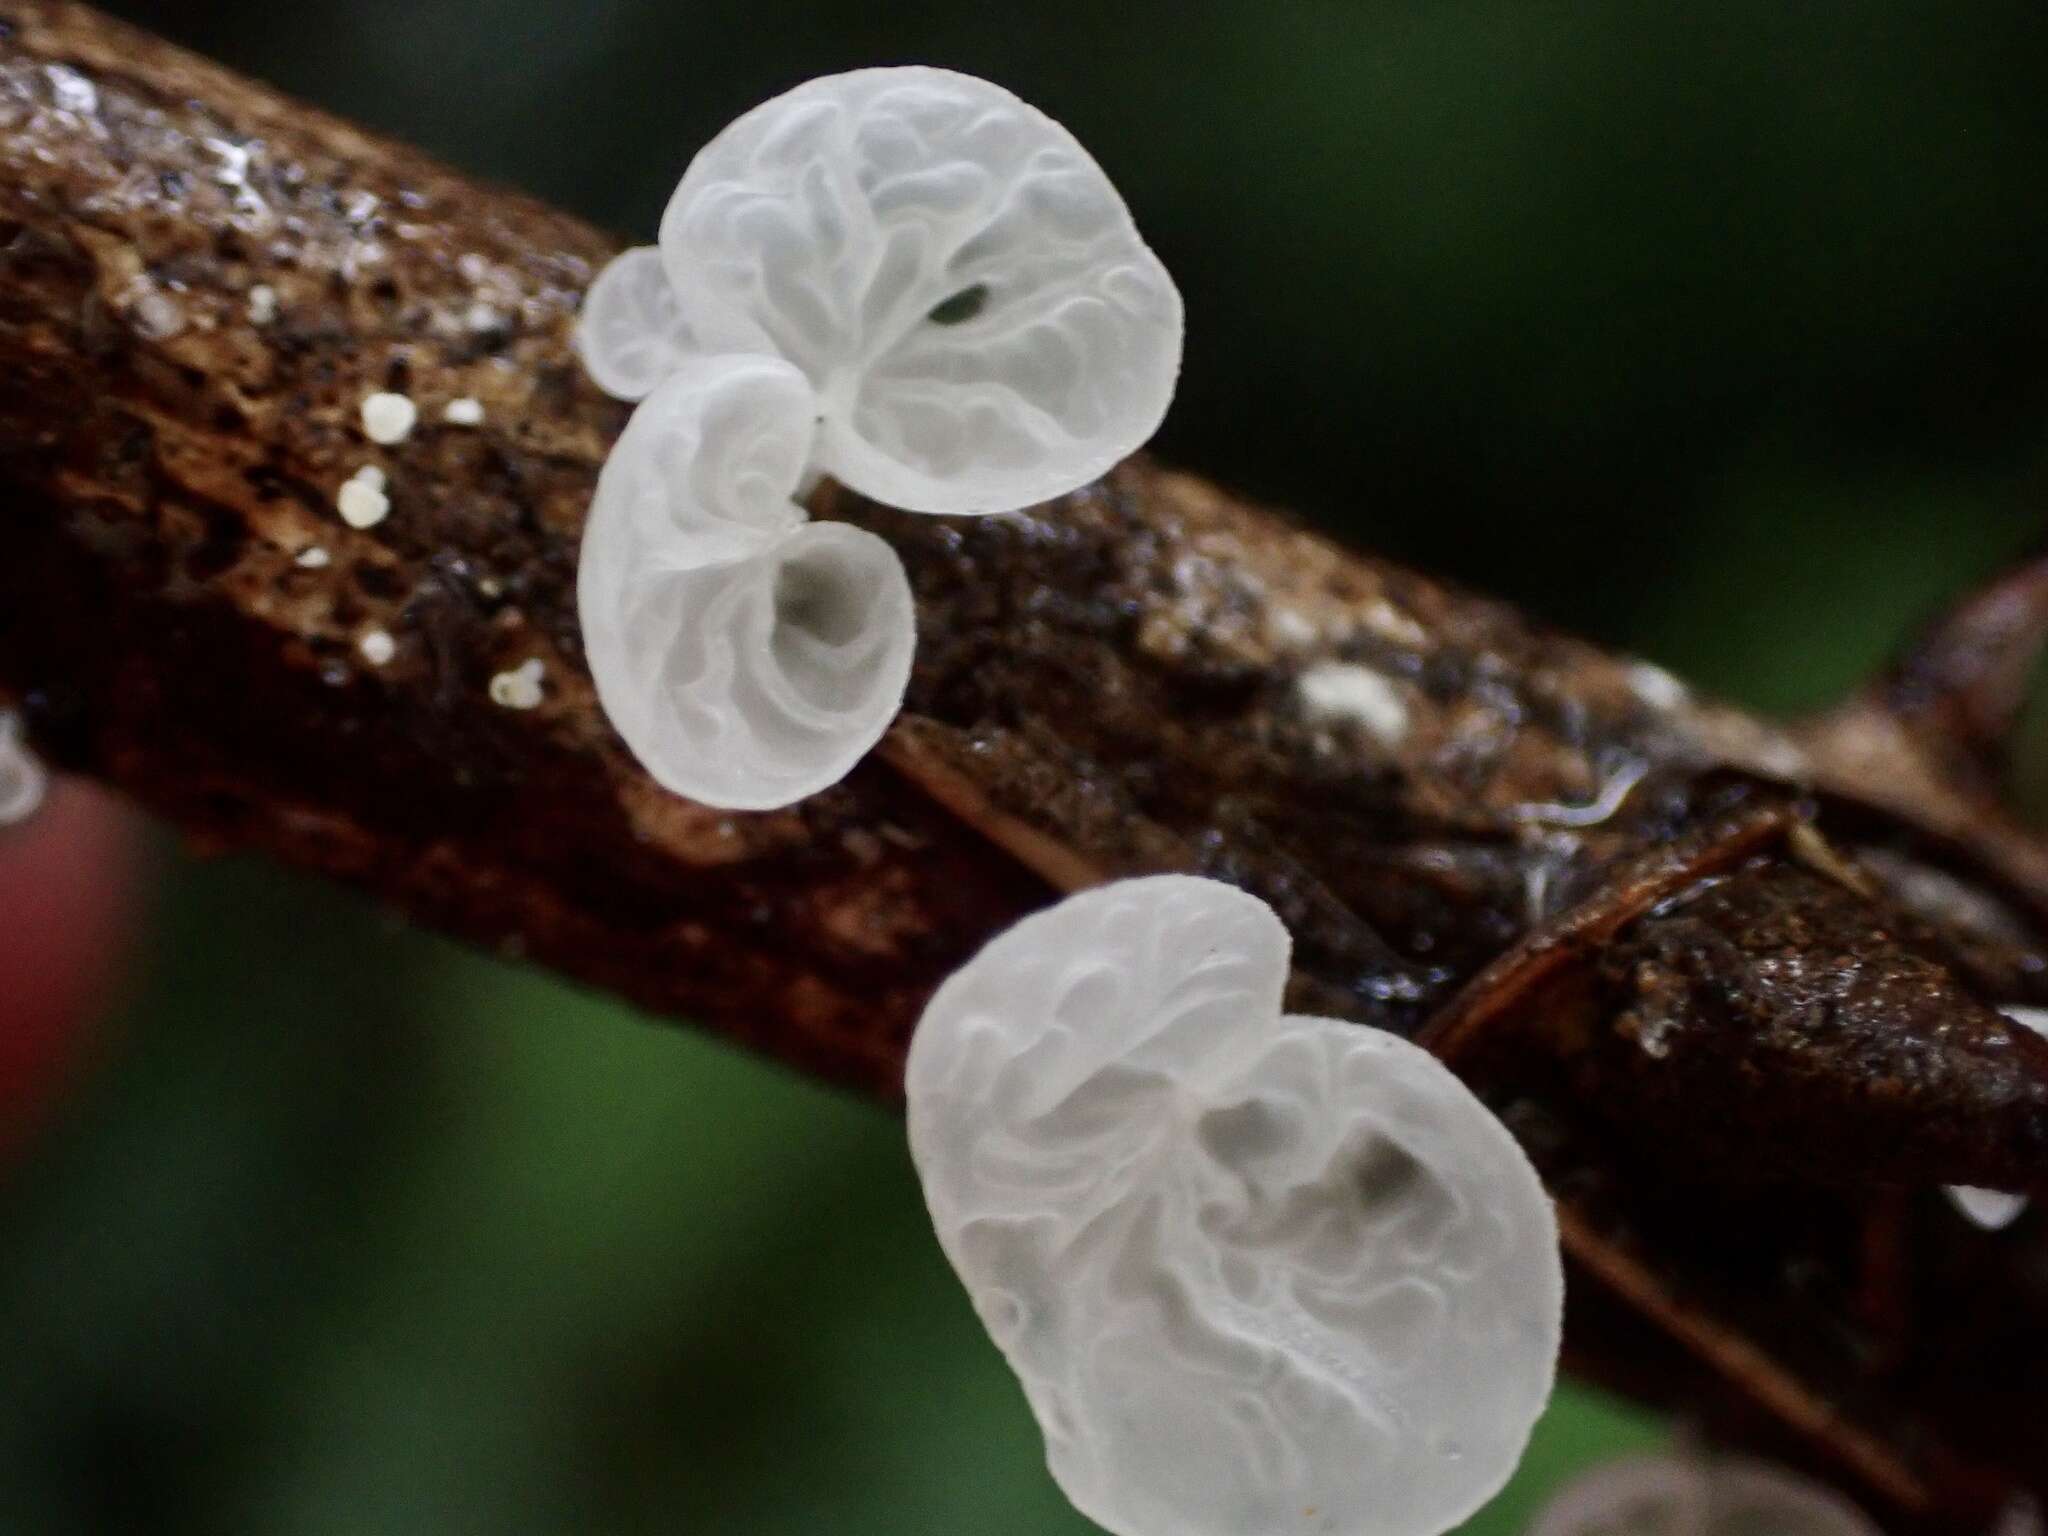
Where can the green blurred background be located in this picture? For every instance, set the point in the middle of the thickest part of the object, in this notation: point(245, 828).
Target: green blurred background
point(1716, 332)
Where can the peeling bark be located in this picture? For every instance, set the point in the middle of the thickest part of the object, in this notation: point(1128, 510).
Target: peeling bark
point(1523, 842)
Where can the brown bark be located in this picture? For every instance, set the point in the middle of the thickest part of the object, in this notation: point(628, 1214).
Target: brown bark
point(200, 282)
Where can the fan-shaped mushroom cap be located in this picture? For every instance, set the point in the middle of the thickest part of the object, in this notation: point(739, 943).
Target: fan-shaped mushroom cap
point(747, 657)
point(956, 276)
point(1257, 1274)
point(631, 333)
point(1996, 1209)
point(1689, 1496)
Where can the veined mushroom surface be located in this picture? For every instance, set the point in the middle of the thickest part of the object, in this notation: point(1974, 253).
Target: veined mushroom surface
point(631, 334)
point(953, 272)
point(1257, 1273)
point(747, 656)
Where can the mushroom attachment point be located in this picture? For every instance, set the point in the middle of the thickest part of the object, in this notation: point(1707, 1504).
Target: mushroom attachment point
point(1652, 1495)
point(24, 781)
point(631, 333)
point(953, 272)
point(1244, 1264)
point(748, 657)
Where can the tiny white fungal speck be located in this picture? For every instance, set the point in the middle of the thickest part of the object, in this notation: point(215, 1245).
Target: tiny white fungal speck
point(1289, 628)
point(1781, 756)
point(361, 504)
point(371, 476)
point(1654, 686)
point(482, 317)
point(389, 418)
point(313, 557)
point(71, 91)
point(1390, 623)
point(262, 304)
point(519, 688)
point(1344, 690)
point(23, 778)
point(465, 412)
point(377, 647)
point(157, 318)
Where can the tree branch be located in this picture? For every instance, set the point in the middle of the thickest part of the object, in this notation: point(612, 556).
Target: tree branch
point(1449, 805)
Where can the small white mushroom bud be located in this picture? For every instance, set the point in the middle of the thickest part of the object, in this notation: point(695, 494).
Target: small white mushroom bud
point(958, 279)
point(1996, 1209)
point(24, 781)
point(389, 418)
point(749, 658)
point(1651, 1495)
point(631, 333)
point(520, 687)
point(362, 503)
point(1245, 1265)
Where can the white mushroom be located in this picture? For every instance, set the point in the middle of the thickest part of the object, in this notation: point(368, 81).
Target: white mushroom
point(1996, 1209)
point(631, 333)
point(1691, 1496)
point(1257, 1274)
point(955, 275)
point(748, 658)
point(23, 779)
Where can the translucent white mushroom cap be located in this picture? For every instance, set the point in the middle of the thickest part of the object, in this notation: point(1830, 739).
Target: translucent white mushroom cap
point(749, 658)
point(951, 270)
point(1257, 1274)
point(23, 779)
point(631, 333)
point(1692, 1496)
point(1996, 1209)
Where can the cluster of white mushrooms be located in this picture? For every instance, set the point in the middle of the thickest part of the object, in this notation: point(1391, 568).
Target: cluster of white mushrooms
point(1257, 1273)
point(906, 279)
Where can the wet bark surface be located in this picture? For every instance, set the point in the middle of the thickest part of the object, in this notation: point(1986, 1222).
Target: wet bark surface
point(1734, 986)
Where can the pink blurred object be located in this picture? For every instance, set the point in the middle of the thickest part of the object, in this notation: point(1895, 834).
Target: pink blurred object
point(68, 876)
